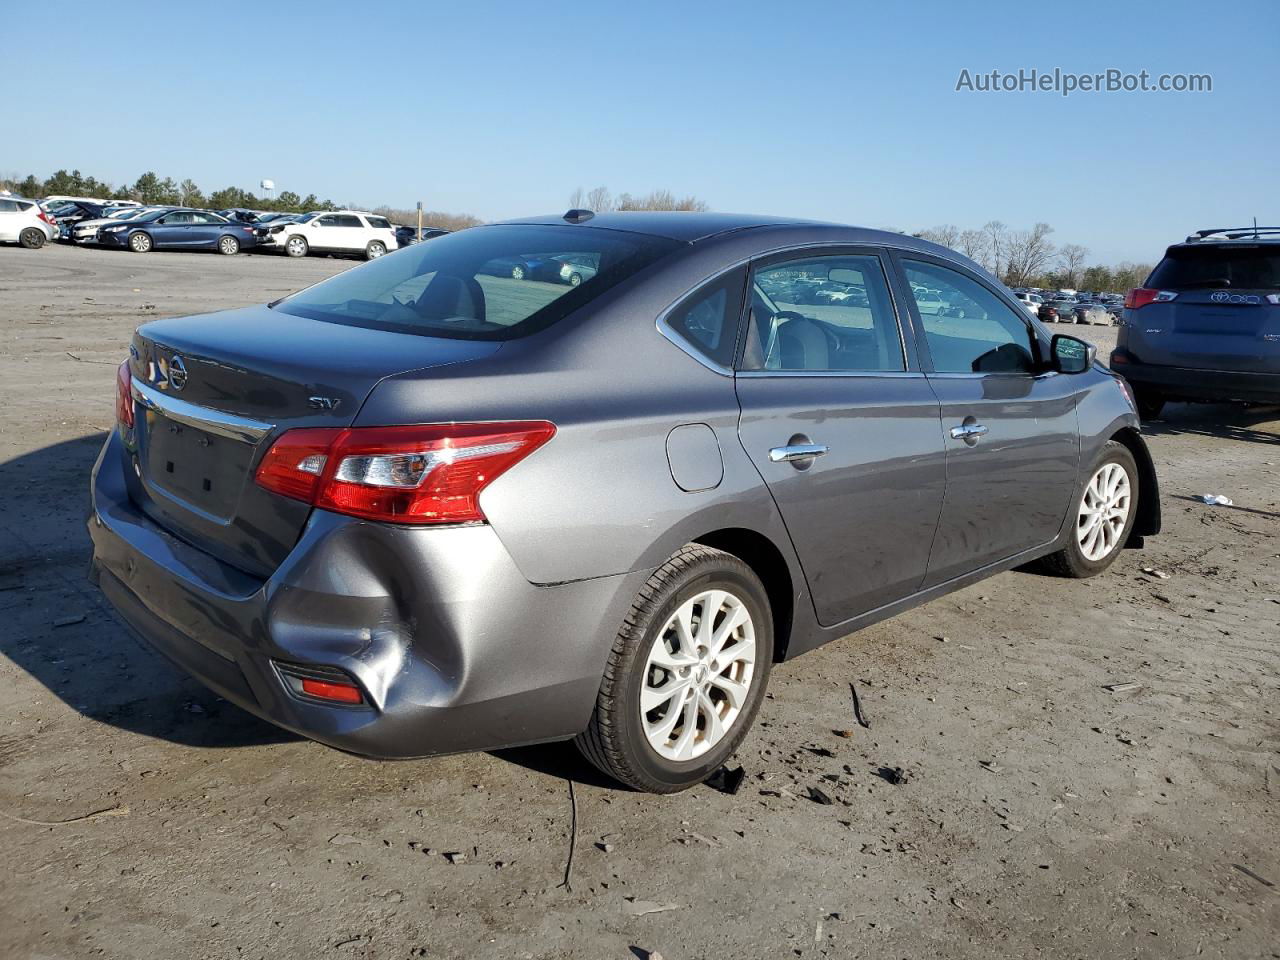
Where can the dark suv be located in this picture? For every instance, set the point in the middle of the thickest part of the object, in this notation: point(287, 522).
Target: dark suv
point(1206, 324)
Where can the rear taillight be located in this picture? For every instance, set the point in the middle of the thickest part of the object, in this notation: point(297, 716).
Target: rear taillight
point(47, 219)
point(124, 395)
point(432, 473)
point(1141, 296)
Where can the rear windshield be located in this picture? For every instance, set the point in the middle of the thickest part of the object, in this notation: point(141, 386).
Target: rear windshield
point(1238, 267)
point(486, 283)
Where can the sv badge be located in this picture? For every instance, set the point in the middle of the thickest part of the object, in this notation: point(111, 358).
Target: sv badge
point(323, 403)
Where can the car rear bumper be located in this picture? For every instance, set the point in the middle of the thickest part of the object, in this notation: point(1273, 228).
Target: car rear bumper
point(451, 646)
point(1188, 383)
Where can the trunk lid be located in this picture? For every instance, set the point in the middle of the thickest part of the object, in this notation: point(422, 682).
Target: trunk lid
point(213, 392)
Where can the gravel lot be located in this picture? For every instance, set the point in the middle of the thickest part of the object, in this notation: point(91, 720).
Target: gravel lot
point(1039, 814)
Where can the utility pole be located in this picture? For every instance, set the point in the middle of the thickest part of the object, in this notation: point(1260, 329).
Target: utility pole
point(419, 221)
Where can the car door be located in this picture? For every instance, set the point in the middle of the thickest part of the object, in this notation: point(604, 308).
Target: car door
point(1008, 422)
point(11, 220)
point(321, 232)
point(205, 229)
point(843, 427)
point(350, 233)
point(171, 230)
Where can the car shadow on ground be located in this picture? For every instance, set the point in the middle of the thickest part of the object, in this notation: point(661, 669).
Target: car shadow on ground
point(62, 632)
point(1220, 420)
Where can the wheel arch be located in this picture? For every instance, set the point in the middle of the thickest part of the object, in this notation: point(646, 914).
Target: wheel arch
point(768, 563)
point(1147, 522)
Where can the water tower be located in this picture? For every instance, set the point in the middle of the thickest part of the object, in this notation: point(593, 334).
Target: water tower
point(268, 187)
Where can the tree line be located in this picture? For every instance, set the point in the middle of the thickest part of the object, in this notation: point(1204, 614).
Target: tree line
point(600, 200)
point(153, 189)
point(1028, 258)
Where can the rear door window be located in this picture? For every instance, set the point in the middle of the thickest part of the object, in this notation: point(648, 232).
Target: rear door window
point(1253, 267)
point(379, 223)
point(347, 220)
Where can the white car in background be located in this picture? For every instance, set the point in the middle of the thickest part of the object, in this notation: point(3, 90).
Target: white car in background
point(22, 221)
point(1031, 302)
point(86, 231)
point(331, 231)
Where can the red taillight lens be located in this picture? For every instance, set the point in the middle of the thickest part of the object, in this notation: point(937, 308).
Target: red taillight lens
point(47, 219)
point(327, 690)
point(124, 395)
point(425, 474)
point(1141, 296)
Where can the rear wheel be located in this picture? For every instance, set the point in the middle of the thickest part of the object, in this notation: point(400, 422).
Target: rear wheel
point(374, 250)
point(686, 675)
point(296, 246)
point(1149, 404)
point(1104, 515)
point(31, 238)
point(228, 246)
point(140, 242)
point(575, 279)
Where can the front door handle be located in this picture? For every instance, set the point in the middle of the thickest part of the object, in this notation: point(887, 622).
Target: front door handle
point(797, 451)
point(968, 431)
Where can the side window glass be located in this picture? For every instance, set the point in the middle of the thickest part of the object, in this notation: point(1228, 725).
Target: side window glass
point(968, 328)
point(823, 313)
point(8, 206)
point(708, 320)
point(347, 220)
point(328, 221)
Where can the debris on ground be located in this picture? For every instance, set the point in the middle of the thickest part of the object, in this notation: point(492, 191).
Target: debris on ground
point(567, 882)
point(68, 621)
point(1153, 572)
point(820, 796)
point(820, 751)
point(639, 908)
point(1253, 876)
point(343, 839)
point(604, 847)
point(194, 708)
point(990, 766)
point(843, 733)
point(1124, 687)
point(893, 775)
point(726, 780)
point(857, 708)
point(456, 857)
point(1217, 500)
point(121, 811)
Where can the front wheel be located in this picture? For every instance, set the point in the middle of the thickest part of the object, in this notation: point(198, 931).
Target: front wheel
point(31, 238)
point(374, 250)
point(140, 243)
point(517, 272)
point(686, 675)
point(228, 246)
point(1104, 513)
point(575, 279)
point(296, 246)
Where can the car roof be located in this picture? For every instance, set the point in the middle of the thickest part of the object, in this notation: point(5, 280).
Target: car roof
point(674, 225)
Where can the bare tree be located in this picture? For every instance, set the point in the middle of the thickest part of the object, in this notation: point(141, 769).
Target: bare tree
point(1072, 257)
point(948, 235)
point(577, 199)
point(997, 236)
point(973, 244)
point(1027, 253)
point(600, 200)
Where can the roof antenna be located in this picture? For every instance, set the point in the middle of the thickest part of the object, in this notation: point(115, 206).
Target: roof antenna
point(577, 215)
point(1255, 228)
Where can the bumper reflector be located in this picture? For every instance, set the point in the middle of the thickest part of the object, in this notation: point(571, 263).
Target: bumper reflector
point(326, 690)
point(321, 683)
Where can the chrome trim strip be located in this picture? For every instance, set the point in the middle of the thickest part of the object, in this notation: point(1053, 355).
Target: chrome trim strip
point(871, 374)
point(202, 418)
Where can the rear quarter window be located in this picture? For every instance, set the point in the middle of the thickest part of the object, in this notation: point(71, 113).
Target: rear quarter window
point(379, 223)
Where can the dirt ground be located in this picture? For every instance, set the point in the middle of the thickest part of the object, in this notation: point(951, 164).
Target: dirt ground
point(1038, 814)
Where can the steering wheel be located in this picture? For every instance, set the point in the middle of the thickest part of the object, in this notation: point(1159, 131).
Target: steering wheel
point(773, 332)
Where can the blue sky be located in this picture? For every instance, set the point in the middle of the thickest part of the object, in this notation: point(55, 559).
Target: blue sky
point(841, 111)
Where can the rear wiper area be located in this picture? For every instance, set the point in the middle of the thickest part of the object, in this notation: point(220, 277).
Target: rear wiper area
point(1198, 284)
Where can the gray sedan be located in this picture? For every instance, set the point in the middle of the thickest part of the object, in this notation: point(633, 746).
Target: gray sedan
point(422, 507)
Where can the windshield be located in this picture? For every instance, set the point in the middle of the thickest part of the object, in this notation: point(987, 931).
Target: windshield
point(486, 283)
point(1239, 267)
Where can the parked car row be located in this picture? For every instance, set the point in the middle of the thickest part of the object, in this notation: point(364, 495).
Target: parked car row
point(142, 229)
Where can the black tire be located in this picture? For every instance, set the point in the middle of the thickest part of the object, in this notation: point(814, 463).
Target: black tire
point(1070, 561)
point(1149, 404)
point(374, 250)
point(31, 238)
point(140, 242)
point(615, 740)
point(228, 246)
point(299, 249)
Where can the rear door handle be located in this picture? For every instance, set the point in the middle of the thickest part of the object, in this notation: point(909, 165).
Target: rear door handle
point(797, 451)
point(968, 431)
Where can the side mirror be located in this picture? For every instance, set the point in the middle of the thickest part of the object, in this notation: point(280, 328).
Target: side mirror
point(1071, 354)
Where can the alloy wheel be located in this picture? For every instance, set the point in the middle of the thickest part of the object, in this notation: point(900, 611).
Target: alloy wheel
point(1104, 512)
point(698, 675)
